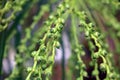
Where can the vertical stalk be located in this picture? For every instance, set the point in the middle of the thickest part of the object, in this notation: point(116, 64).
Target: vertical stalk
point(2, 47)
point(63, 61)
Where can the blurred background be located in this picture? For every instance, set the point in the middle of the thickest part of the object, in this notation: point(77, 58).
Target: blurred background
point(22, 25)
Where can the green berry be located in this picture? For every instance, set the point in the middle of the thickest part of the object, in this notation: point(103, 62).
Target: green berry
point(77, 67)
point(85, 74)
point(95, 72)
point(95, 56)
point(51, 17)
point(34, 53)
point(43, 48)
point(52, 30)
point(76, 50)
point(29, 69)
point(57, 44)
point(103, 67)
point(49, 35)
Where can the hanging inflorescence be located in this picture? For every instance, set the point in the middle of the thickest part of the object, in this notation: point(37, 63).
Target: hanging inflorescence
point(44, 56)
point(91, 33)
point(9, 11)
point(40, 43)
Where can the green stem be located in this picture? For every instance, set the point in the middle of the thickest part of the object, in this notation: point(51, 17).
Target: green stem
point(96, 68)
point(63, 61)
point(2, 47)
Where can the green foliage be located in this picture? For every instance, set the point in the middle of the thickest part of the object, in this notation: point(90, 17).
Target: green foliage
point(95, 19)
